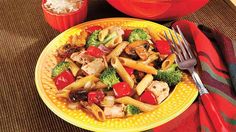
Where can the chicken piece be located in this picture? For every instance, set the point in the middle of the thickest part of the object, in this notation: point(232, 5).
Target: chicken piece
point(114, 111)
point(82, 57)
point(160, 90)
point(94, 67)
point(116, 29)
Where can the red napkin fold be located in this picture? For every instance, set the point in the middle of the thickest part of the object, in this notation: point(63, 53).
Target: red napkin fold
point(217, 56)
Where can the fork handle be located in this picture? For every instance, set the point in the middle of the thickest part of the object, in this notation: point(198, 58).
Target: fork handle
point(213, 113)
point(209, 105)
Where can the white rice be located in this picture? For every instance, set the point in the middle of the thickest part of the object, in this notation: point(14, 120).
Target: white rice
point(63, 6)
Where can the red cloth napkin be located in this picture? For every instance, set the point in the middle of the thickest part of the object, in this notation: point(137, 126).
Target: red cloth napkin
point(217, 55)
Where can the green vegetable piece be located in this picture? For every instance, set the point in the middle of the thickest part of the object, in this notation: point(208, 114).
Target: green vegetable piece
point(93, 39)
point(109, 77)
point(132, 110)
point(171, 76)
point(59, 68)
point(110, 37)
point(138, 34)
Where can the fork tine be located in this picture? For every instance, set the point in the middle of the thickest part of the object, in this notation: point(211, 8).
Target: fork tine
point(169, 42)
point(186, 45)
point(181, 45)
point(179, 55)
point(171, 46)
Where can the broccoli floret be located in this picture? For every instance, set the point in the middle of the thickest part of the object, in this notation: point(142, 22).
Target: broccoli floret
point(171, 76)
point(138, 34)
point(132, 110)
point(109, 77)
point(93, 39)
point(59, 68)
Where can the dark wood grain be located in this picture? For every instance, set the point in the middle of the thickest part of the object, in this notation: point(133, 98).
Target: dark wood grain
point(23, 36)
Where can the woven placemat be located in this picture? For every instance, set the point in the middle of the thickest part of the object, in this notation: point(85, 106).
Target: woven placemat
point(23, 36)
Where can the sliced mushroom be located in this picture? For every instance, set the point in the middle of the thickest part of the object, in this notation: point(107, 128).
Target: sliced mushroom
point(130, 49)
point(138, 48)
point(142, 52)
point(67, 50)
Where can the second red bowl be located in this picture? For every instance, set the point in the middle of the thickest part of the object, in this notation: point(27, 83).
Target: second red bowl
point(61, 22)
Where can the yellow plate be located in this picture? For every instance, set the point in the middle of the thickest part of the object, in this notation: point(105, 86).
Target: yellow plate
point(179, 100)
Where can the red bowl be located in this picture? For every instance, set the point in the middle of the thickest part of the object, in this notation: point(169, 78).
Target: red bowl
point(61, 22)
point(157, 9)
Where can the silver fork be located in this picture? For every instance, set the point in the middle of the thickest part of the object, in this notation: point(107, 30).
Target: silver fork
point(186, 60)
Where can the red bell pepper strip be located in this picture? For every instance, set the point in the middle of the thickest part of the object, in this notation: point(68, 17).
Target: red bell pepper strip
point(95, 97)
point(122, 89)
point(94, 51)
point(93, 28)
point(148, 97)
point(126, 34)
point(64, 79)
point(163, 47)
point(130, 71)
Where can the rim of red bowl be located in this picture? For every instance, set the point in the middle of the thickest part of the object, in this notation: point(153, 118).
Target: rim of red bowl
point(64, 14)
point(150, 1)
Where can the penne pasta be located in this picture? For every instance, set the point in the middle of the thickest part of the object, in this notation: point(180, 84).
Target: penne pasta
point(122, 72)
point(142, 106)
point(144, 83)
point(105, 61)
point(63, 94)
point(154, 35)
point(115, 37)
point(100, 85)
point(162, 56)
point(73, 67)
point(117, 51)
point(118, 40)
point(168, 61)
point(79, 83)
point(136, 44)
point(102, 34)
point(151, 58)
point(95, 110)
point(138, 65)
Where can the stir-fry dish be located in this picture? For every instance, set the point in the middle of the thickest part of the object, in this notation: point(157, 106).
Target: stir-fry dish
point(115, 72)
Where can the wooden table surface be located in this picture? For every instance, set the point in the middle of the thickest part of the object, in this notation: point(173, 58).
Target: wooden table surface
point(24, 34)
